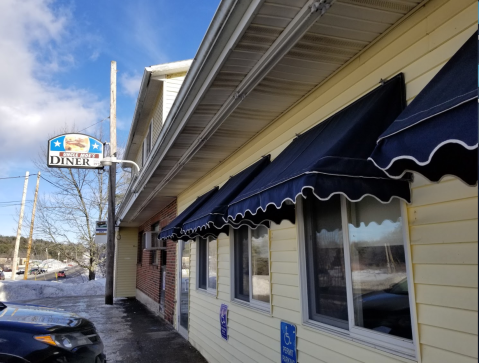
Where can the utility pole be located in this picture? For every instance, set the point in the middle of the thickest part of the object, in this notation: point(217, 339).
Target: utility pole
point(19, 229)
point(110, 244)
point(31, 227)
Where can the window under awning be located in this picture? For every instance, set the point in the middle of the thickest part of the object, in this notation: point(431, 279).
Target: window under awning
point(329, 159)
point(437, 134)
point(173, 229)
point(209, 219)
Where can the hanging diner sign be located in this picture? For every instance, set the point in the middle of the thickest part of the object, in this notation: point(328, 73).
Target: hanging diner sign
point(74, 151)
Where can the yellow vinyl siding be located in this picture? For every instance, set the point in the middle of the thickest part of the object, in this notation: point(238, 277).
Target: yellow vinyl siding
point(171, 87)
point(157, 119)
point(442, 219)
point(125, 262)
point(166, 97)
point(443, 229)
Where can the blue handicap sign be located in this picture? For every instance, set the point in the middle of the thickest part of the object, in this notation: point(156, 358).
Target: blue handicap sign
point(288, 343)
point(224, 321)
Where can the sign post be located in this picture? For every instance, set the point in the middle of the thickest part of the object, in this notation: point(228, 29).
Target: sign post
point(110, 244)
point(288, 343)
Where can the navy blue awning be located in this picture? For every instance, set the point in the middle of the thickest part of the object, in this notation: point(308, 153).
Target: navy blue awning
point(173, 229)
point(329, 159)
point(208, 220)
point(436, 135)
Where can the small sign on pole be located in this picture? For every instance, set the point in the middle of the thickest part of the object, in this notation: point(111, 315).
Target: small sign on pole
point(224, 321)
point(101, 228)
point(288, 343)
point(74, 151)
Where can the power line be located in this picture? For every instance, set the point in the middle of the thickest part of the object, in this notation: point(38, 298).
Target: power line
point(106, 118)
point(14, 177)
point(67, 191)
point(17, 201)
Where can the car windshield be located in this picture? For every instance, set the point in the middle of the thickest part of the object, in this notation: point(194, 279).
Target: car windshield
point(401, 288)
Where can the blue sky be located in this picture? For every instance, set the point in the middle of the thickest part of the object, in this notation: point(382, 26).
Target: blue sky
point(55, 71)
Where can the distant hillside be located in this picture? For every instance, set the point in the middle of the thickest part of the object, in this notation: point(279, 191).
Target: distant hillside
point(39, 247)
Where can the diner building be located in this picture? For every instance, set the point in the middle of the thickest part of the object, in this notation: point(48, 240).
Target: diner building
point(314, 185)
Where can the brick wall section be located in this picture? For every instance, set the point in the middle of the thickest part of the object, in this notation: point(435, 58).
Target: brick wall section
point(148, 276)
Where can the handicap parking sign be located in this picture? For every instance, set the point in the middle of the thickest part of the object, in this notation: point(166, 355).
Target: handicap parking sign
point(224, 321)
point(288, 343)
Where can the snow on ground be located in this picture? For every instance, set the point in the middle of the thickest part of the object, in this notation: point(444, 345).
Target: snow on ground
point(30, 290)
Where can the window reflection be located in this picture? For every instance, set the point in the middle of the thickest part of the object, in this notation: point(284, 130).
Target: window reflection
point(378, 268)
point(241, 263)
point(325, 262)
point(212, 263)
point(185, 280)
point(260, 263)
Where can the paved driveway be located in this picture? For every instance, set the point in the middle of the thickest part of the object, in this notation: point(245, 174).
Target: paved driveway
point(129, 331)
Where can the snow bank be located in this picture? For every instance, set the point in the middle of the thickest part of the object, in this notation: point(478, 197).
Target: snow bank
point(30, 290)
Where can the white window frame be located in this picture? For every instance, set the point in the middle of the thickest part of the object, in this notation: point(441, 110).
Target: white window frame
point(252, 303)
point(208, 289)
point(148, 239)
point(395, 345)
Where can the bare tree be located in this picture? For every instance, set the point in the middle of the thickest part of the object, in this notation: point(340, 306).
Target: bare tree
point(69, 215)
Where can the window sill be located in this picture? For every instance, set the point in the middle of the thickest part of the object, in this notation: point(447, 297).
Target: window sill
point(364, 343)
point(208, 293)
point(255, 308)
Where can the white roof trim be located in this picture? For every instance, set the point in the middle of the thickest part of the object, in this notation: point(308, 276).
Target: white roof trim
point(169, 68)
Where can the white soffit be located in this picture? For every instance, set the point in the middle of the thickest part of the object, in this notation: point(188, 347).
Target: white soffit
point(346, 28)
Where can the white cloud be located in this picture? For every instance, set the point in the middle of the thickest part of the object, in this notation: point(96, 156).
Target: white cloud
point(32, 103)
point(130, 84)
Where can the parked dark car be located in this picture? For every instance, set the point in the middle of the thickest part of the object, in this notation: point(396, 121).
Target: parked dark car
point(32, 333)
point(387, 311)
point(61, 274)
point(20, 272)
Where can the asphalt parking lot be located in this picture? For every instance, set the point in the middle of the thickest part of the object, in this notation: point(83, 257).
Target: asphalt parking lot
point(129, 331)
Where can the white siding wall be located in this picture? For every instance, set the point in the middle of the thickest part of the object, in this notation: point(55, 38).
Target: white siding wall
point(442, 219)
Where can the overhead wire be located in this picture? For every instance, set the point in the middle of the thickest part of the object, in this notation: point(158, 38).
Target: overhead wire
point(67, 191)
point(18, 201)
point(106, 118)
point(14, 177)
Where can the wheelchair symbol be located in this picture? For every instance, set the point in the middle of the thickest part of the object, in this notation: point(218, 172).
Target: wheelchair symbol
point(287, 339)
